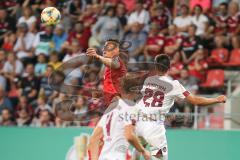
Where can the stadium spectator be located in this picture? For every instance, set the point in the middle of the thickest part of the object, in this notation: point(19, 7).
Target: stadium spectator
point(29, 84)
point(12, 67)
point(28, 18)
point(120, 12)
point(89, 15)
point(24, 42)
point(6, 117)
point(183, 21)
point(59, 37)
point(197, 67)
point(42, 105)
point(43, 41)
point(155, 42)
point(54, 60)
point(75, 8)
point(24, 117)
point(189, 82)
point(221, 25)
point(81, 33)
point(41, 65)
point(233, 24)
point(138, 39)
point(199, 20)
point(7, 24)
point(161, 18)
point(44, 85)
point(44, 119)
point(173, 41)
point(107, 26)
point(74, 51)
point(9, 41)
point(23, 104)
point(140, 15)
point(176, 66)
point(191, 46)
point(4, 100)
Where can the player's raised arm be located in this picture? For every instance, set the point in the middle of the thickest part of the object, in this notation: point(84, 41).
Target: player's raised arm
point(133, 140)
point(94, 143)
point(111, 62)
point(203, 101)
point(110, 50)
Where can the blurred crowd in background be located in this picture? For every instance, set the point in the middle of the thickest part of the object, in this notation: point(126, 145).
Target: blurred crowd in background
point(187, 30)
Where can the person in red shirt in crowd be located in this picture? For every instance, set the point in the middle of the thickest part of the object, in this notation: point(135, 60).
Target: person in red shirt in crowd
point(233, 24)
point(197, 67)
point(161, 18)
point(114, 69)
point(221, 24)
point(154, 44)
point(80, 33)
point(88, 17)
point(173, 41)
point(176, 66)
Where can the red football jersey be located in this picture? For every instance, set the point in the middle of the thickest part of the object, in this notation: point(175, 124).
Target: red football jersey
point(155, 40)
point(200, 75)
point(172, 40)
point(233, 22)
point(112, 80)
point(221, 23)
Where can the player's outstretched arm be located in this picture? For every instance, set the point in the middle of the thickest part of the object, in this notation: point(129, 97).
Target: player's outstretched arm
point(202, 101)
point(110, 62)
point(133, 140)
point(94, 143)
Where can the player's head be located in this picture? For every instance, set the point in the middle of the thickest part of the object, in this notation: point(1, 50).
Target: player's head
point(131, 83)
point(162, 63)
point(111, 48)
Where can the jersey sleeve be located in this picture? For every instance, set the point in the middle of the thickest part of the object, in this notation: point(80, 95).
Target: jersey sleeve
point(181, 92)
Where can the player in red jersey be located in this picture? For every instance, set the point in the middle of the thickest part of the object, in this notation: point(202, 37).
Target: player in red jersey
point(114, 69)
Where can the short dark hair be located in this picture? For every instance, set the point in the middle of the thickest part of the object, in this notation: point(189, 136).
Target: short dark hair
point(113, 40)
point(132, 82)
point(162, 63)
point(199, 6)
point(224, 4)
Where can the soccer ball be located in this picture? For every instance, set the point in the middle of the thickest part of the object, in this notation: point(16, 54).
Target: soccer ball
point(50, 16)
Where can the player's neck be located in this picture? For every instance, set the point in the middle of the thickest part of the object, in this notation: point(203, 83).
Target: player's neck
point(129, 97)
point(161, 74)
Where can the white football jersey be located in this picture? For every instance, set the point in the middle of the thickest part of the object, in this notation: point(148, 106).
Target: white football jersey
point(113, 123)
point(159, 94)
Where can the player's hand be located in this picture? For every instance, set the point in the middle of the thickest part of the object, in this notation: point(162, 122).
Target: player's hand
point(92, 52)
point(221, 99)
point(146, 155)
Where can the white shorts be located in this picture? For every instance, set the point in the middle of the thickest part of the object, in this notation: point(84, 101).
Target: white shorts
point(112, 156)
point(154, 134)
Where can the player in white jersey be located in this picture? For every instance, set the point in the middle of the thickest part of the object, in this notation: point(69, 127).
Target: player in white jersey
point(158, 95)
point(117, 130)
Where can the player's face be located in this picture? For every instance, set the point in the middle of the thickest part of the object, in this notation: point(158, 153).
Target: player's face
point(110, 49)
